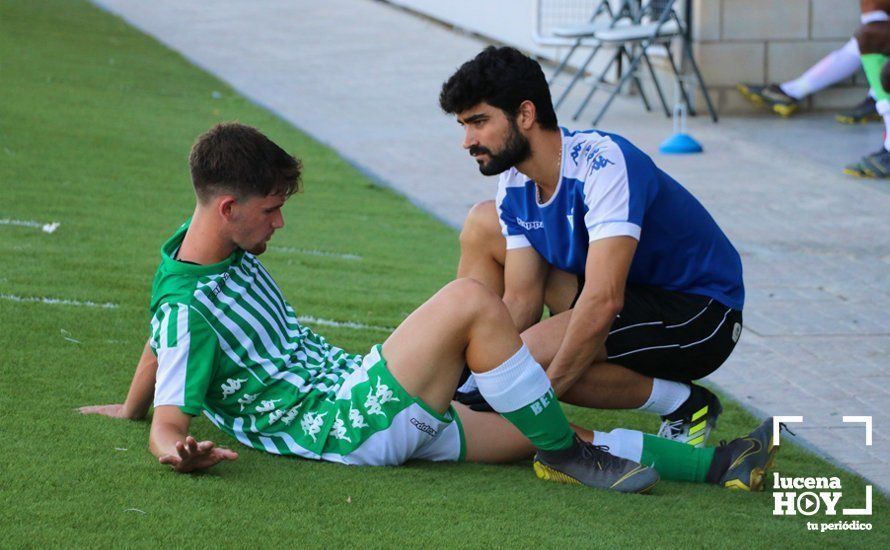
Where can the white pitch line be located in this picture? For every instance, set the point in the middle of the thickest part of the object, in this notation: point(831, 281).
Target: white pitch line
point(56, 301)
point(313, 252)
point(46, 227)
point(342, 324)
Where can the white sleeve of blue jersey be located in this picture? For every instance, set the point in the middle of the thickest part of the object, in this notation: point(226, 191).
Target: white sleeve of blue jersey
point(607, 196)
point(512, 232)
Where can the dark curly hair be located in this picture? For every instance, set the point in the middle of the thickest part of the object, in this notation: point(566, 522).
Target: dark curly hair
point(504, 78)
point(236, 158)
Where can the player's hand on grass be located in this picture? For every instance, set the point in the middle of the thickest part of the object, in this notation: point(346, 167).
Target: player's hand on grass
point(194, 455)
point(113, 411)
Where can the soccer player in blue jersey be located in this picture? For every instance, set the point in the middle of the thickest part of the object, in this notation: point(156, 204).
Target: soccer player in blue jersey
point(645, 291)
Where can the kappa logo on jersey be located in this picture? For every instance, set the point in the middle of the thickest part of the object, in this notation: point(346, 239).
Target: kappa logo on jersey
point(338, 430)
point(275, 416)
point(381, 396)
point(529, 226)
point(311, 423)
point(246, 399)
point(290, 416)
point(600, 162)
point(424, 427)
point(231, 385)
point(356, 418)
point(576, 152)
point(267, 405)
point(590, 153)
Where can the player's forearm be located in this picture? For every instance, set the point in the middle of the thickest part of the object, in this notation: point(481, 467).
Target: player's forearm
point(139, 397)
point(584, 341)
point(164, 436)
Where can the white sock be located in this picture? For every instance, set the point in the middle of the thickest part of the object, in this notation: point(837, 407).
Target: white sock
point(872, 16)
point(516, 383)
point(883, 107)
point(624, 443)
point(666, 396)
point(834, 67)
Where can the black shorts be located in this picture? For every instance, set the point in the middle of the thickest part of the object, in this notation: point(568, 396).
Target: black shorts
point(672, 335)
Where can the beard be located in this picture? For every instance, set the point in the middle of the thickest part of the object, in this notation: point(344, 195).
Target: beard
point(516, 149)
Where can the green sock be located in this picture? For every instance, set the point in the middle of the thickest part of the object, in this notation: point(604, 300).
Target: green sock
point(676, 461)
point(872, 63)
point(544, 423)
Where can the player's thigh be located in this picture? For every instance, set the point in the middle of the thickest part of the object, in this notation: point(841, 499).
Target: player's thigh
point(560, 290)
point(490, 438)
point(672, 335)
point(426, 351)
point(544, 339)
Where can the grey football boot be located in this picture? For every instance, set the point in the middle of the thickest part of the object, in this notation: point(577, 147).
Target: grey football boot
point(587, 464)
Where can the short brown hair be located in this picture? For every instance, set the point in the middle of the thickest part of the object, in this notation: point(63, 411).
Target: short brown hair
point(239, 159)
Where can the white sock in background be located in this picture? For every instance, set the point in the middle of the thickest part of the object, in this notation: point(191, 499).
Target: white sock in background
point(872, 16)
point(834, 67)
point(624, 443)
point(666, 396)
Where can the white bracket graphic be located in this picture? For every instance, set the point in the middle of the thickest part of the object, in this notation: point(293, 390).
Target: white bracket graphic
point(783, 420)
point(861, 420)
point(861, 511)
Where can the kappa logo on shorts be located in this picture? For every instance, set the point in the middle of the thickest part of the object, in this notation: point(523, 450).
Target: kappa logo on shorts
point(424, 427)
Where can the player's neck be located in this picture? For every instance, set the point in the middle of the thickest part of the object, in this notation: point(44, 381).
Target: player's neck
point(544, 167)
point(203, 244)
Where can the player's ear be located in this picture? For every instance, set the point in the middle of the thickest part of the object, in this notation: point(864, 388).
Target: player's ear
point(225, 206)
point(527, 114)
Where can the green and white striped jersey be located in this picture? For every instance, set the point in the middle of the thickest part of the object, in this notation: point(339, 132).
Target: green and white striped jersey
point(230, 345)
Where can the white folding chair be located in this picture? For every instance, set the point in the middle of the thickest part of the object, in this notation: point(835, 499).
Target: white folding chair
point(557, 24)
point(657, 23)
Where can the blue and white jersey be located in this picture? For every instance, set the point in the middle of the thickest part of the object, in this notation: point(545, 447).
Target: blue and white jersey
point(609, 188)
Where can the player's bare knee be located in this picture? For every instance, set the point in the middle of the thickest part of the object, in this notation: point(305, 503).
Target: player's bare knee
point(481, 227)
point(472, 297)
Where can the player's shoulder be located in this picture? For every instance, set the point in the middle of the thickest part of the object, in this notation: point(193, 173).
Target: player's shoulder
point(512, 178)
point(588, 152)
point(172, 291)
point(510, 184)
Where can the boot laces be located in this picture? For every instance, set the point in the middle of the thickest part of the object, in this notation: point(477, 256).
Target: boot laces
point(600, 454)
point(671, 429)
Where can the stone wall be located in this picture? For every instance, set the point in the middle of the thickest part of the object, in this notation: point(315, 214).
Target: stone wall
point(763, 41)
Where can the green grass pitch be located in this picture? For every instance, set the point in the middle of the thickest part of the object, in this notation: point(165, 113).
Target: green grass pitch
point(96, 121)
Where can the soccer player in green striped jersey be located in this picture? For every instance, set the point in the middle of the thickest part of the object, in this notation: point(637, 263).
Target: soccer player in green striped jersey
point(226, 344)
